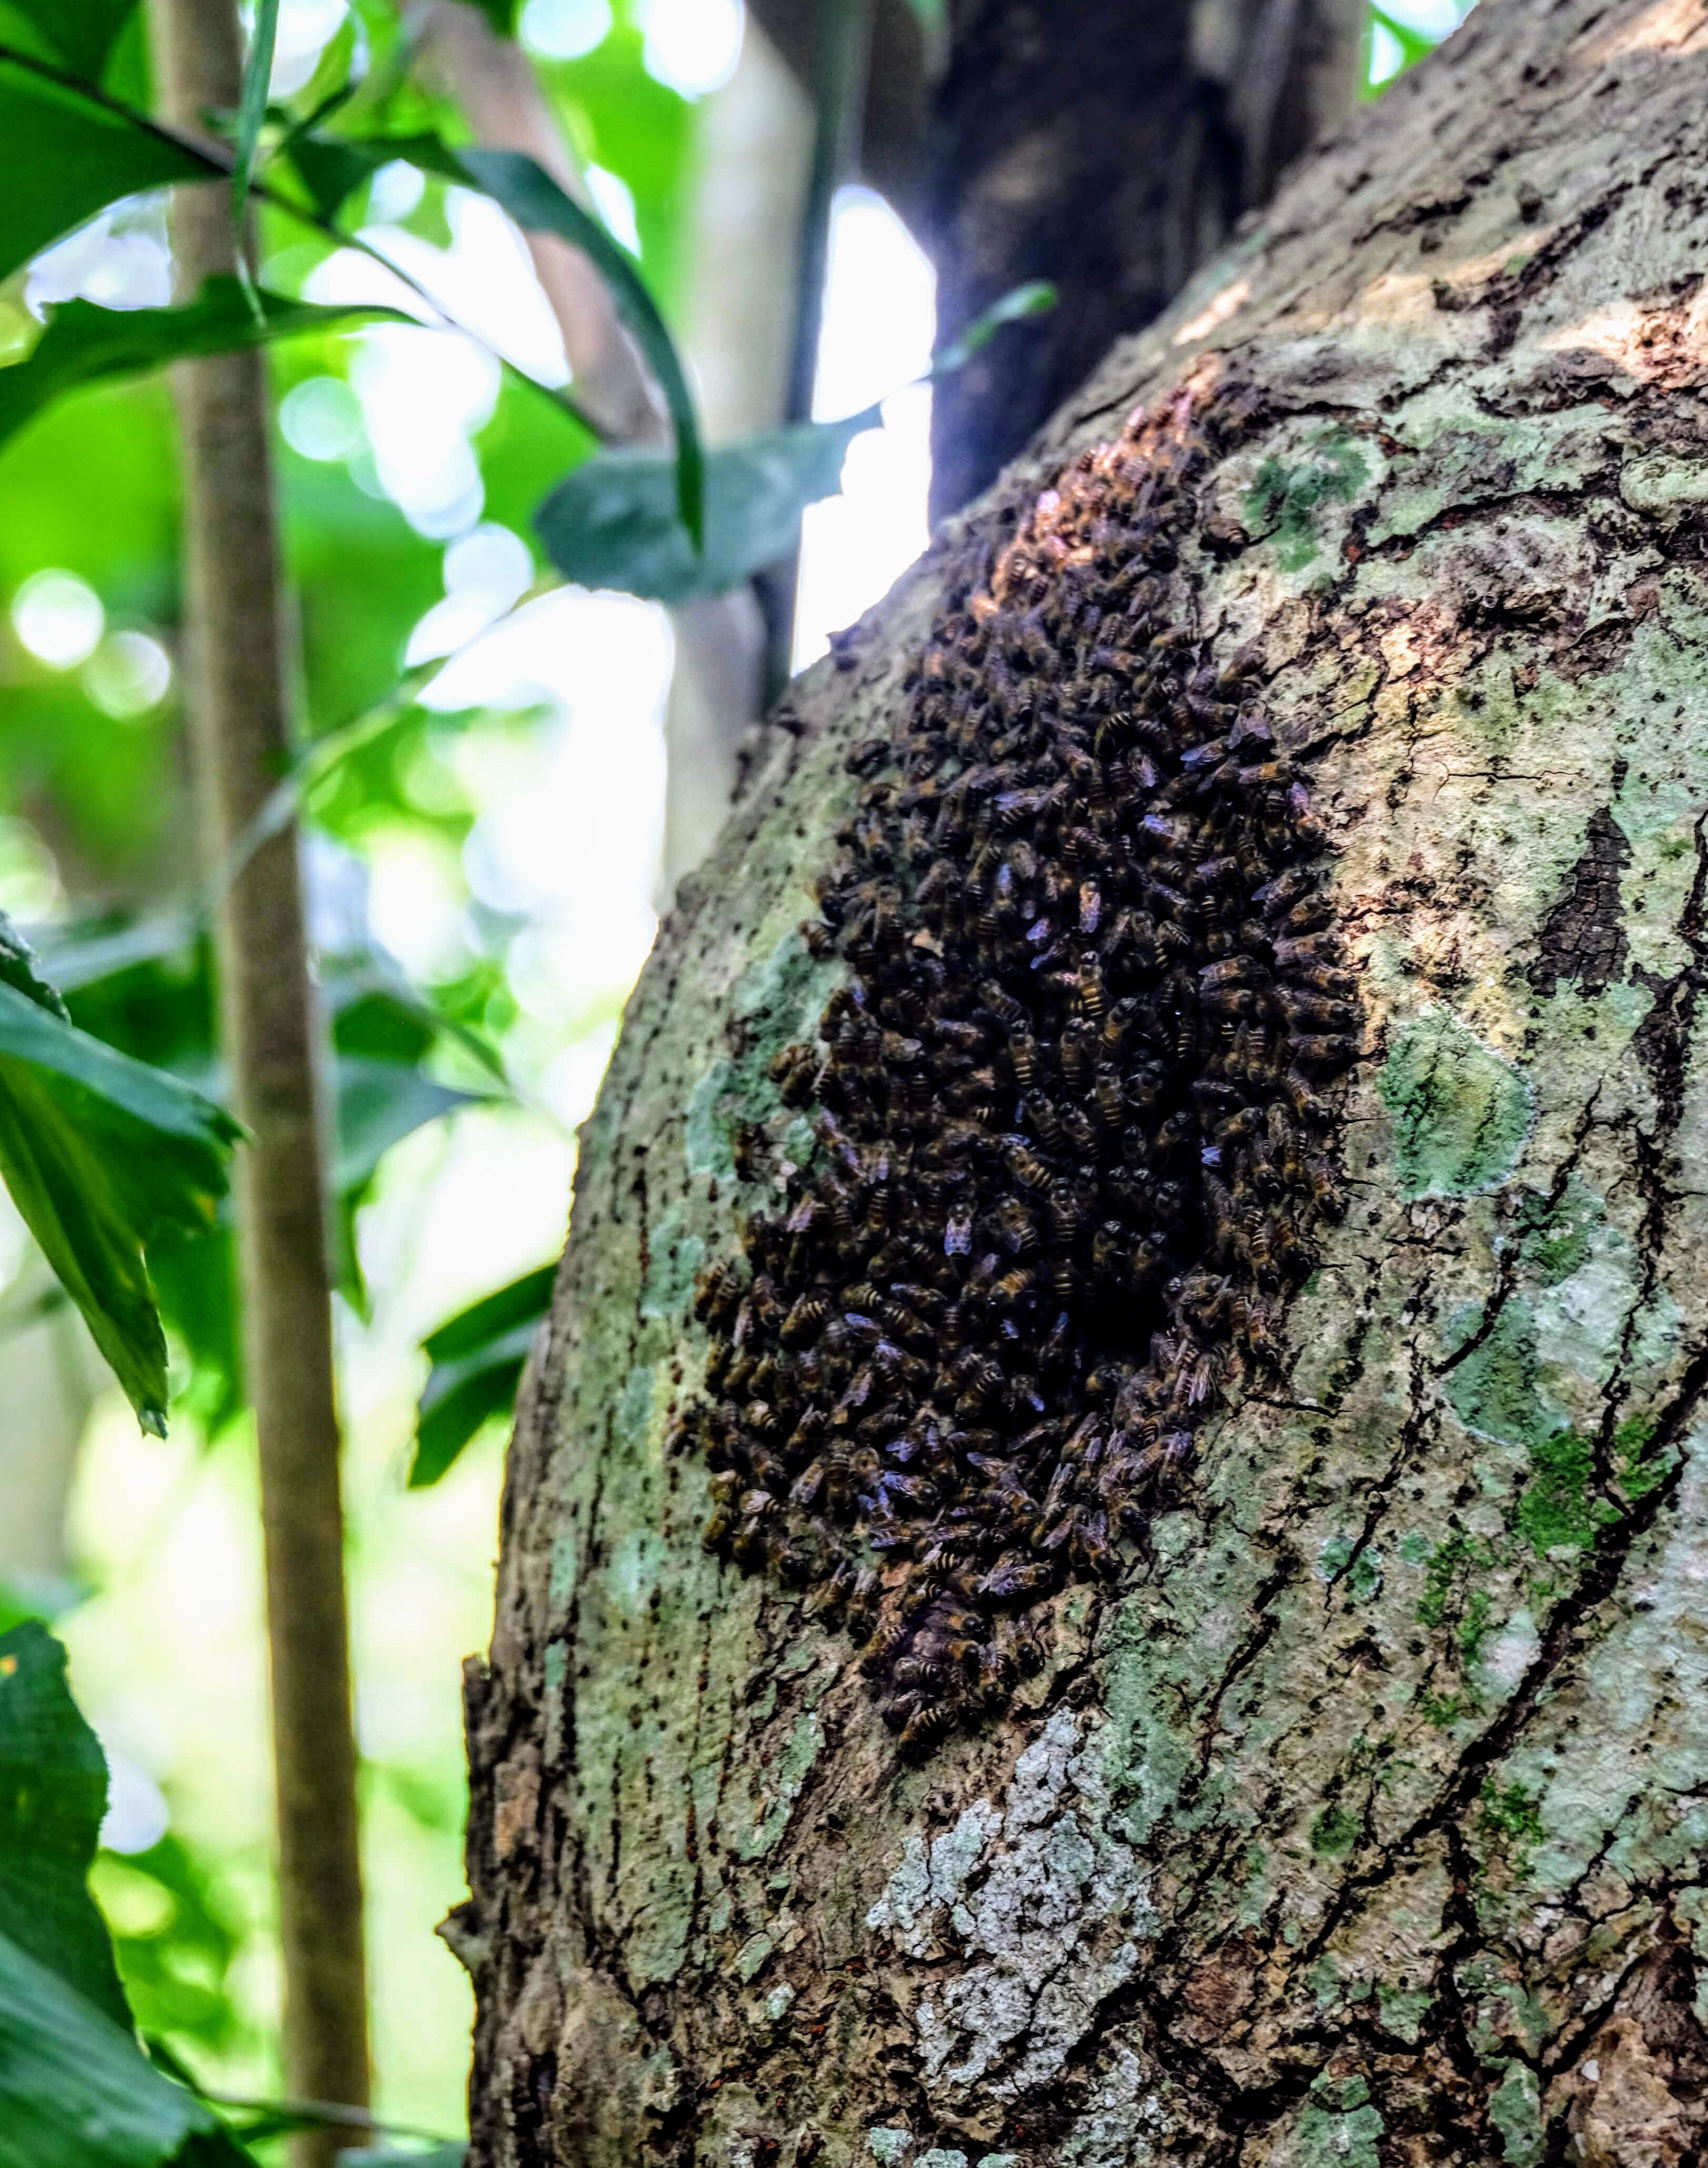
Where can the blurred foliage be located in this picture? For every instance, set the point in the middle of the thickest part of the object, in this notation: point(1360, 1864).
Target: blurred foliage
point(175, 1938)
point(76, 2089)
point(95, 831)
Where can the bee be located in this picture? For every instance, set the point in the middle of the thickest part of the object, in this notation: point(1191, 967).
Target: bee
point(884, 1646)
point(806, 1318)
point(926, 1726)
point(1308, 1008)
point(1328, 1189)
point(1040, 1116)
point(898, 1709)
point(1013, 1579)
point(1326, 1051)
point(719, 1294)
point(1029, 1171)
point(922, 1674)
point(1013, 1287)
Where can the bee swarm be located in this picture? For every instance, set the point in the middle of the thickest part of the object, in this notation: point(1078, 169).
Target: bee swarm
point(1070, 1144)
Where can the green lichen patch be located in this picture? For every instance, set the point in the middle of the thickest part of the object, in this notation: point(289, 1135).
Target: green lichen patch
point(1335, 1831)
point(1639, 1470)
point(1339, 2126)
point(674, 1257)
point(1554, 1234)
point(1495, 1388)
point(707, 1133)
point(1404, 2009)
point(1515, 2110)
point(777, 1000)
point(1453, 1564)
point(1287, 497)
point(1462, 1115)
point(806, 1742)
point(1511, 1821)
point(1365, 1579)
point(1555, 1507)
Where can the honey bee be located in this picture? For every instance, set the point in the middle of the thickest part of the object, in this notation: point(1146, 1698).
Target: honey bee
point(926, 1726)
point(719, 1294)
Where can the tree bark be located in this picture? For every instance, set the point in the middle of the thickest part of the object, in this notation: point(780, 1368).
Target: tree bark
point(1356, 1815)
point(1109, 148)
point(240, 725)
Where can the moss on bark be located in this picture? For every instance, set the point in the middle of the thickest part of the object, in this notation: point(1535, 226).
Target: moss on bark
point(1364, 1818)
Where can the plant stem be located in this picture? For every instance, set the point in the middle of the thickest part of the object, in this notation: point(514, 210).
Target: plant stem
point(240, 735)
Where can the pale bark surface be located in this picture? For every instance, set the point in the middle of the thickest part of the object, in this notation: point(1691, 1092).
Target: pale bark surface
point(1366, 1817)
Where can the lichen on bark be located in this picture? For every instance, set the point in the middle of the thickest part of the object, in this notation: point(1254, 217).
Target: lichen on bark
point(1365, 1816)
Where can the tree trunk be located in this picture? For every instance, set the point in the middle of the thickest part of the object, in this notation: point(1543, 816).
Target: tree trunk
point(1284, 1740)
point(1109, 147)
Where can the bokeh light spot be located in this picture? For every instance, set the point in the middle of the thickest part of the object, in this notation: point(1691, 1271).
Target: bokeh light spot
point(58, 619)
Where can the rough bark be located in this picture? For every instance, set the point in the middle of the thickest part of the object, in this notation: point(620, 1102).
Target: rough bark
point(1109, 147)
point(1361, 1818)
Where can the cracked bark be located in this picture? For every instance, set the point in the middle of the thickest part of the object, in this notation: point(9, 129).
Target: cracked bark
point(1366, 1817)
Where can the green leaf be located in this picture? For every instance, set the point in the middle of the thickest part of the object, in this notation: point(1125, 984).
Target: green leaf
point(84, 343)
point(53, 1794)
point(99, 1153)
point(252, 107)
point(81, 33)
point(612, 522)
point(380, 1105)
point(333, 167)
point(175, 1960)
point(1035, 298)
point(1413, 48)
point(534, 201)
point(195, 1280)
point(75, 2092)
point(477, 1358)
point(68, 158)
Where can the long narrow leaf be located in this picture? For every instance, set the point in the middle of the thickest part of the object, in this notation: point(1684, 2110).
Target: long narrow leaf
point(251, 109)
point(1035, 298)
point(333, 167)
point(533, 199)
point(85, 344)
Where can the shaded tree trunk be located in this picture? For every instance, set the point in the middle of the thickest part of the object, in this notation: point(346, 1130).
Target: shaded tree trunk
point(1344, 1800)
point(1109, 148)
